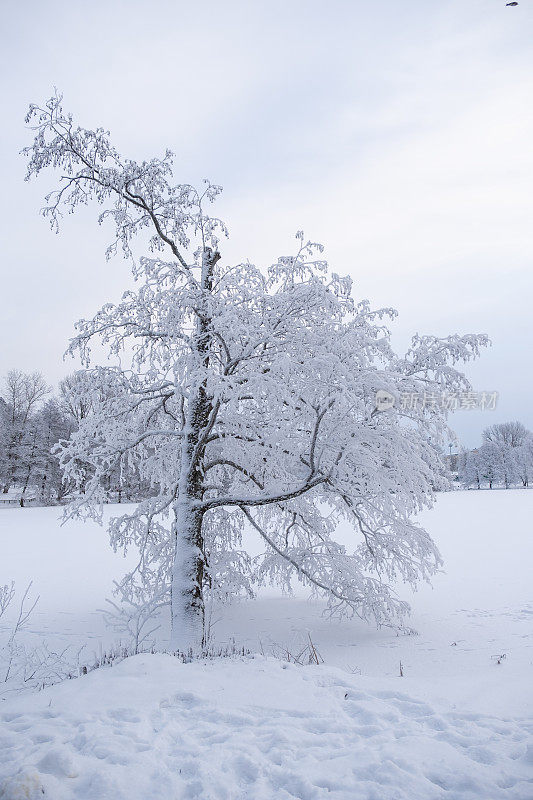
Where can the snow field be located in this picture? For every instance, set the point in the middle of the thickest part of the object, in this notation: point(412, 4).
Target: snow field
point(152, 727)
point(457, 725)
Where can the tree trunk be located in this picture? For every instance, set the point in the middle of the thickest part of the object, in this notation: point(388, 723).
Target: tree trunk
point(187, 603)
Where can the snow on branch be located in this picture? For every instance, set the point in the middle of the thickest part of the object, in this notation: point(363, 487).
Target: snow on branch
point(238, 388)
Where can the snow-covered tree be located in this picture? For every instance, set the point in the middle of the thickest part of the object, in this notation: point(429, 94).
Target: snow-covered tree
point(470, 470)
point(22, 394)
point(489, 457)
point(246, 398)
point(511, 434)
point(53, 426)
point(502, 444)
point(73, 397)
point(5, 431)
point(508, 467)
point(524, 460)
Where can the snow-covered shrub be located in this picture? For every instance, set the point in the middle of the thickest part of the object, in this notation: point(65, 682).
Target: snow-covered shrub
point(22, 665)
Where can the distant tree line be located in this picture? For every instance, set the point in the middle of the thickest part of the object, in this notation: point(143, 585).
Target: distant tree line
point(33, 421)
point(504, 459)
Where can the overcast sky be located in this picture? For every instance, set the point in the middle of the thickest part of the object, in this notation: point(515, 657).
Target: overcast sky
point(399, 134)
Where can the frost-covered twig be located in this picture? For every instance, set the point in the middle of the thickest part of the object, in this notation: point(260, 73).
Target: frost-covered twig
point(7, 593)
point(133, 616)
point(14, 652)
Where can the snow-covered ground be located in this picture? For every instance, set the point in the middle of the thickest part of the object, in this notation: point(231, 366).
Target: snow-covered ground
point(457, 725)
point(155, 728)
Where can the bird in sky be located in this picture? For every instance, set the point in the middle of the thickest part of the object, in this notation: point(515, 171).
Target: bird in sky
point(511, 4)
